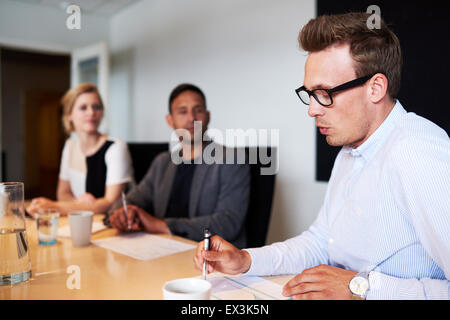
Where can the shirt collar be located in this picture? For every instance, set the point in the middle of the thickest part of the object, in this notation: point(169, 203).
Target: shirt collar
point(372, 144)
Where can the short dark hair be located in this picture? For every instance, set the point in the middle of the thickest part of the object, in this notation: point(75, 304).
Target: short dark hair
point(182, 88)
point(373, 50)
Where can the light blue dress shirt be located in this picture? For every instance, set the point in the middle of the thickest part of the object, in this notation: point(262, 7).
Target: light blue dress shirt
point(386, 211)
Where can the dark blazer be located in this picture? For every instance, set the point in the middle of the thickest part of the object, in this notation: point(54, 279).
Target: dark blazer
point(218, 199)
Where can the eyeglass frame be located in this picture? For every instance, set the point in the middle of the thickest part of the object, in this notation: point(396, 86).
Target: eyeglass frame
point(347, 85)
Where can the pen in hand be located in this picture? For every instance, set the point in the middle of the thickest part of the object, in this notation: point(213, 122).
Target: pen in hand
point(125, 210)
point(206, 246)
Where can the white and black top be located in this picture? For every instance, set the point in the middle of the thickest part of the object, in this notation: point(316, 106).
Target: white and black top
point(110, 165)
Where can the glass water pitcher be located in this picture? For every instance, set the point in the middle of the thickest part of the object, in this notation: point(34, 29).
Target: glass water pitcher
point(15, 264)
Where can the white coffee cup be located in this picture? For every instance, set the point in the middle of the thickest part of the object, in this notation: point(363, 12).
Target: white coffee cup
point(187, 289)
point(81, 227)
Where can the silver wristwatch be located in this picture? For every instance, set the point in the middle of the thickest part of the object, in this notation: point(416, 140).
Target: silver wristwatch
point(359, 285)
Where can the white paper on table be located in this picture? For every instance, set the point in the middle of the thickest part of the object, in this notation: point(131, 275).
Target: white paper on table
point(64, 231)
point(143, 246)
point(243, 287)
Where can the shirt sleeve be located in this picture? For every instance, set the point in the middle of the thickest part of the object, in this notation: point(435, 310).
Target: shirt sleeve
point(384, 287)
point(293, 255)
point(423, 186)
point(64, 166)
point(118, 163)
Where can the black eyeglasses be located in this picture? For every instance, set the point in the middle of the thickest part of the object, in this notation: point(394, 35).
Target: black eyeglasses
point(324, 96)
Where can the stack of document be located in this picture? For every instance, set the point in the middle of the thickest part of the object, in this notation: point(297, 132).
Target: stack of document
point(243, 287)
point(143, 246)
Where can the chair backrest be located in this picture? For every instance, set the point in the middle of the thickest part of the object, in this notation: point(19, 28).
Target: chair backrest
point(142, 156)
point(262, 187)
point(4, 178)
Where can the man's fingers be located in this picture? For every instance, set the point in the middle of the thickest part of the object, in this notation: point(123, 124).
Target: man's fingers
point(122, 220)
point(309, 281)
point(214, 255)
point(135, 226)
point(302, 288)
point(217, 243)
point(302, 277)
point(132, 212)
point(198, 258)
point(315, 295)
point(114, 221)
point(196, 262)
point(118, 220)
point(134, 216)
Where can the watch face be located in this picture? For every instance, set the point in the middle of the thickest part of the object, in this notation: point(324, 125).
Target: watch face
point(359, 286)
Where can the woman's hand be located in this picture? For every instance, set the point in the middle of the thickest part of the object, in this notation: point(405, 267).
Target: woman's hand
point(87, 198)
point(40, 204)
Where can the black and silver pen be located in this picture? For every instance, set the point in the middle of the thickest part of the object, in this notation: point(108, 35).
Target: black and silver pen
point(125, 209)
point(206, 246)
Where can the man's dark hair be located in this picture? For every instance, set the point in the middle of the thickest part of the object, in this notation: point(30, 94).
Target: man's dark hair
point(182, 88)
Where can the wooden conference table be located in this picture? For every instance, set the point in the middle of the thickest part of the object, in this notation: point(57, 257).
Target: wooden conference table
point(105, 274)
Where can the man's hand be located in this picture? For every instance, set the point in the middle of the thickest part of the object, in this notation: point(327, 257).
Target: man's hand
point(320, 283)
point(223, 257)
point(120, 221)
point(138, 219)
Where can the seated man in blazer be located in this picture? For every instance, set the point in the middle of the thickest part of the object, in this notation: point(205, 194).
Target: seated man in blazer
point(181, 194)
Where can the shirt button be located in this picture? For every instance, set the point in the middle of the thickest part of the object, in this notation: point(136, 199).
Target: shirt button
point(330, 241)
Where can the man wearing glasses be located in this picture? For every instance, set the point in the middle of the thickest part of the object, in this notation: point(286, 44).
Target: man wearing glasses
point(383, 231)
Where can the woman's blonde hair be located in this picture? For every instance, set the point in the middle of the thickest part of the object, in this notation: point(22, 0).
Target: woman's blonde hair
point(68, 101)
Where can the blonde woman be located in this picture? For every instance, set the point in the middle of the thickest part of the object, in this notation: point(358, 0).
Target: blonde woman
point(95, 168)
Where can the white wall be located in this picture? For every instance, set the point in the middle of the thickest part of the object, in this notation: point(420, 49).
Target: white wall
point(43, 27)
point(245, 56)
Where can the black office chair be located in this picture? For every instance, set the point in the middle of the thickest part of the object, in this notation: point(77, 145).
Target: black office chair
point(261, 196)
point(4, 166)
point(261, 186)
point(142, 156)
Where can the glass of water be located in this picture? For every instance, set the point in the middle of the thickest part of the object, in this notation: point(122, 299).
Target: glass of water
point(15, 264)
point(47, 226)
